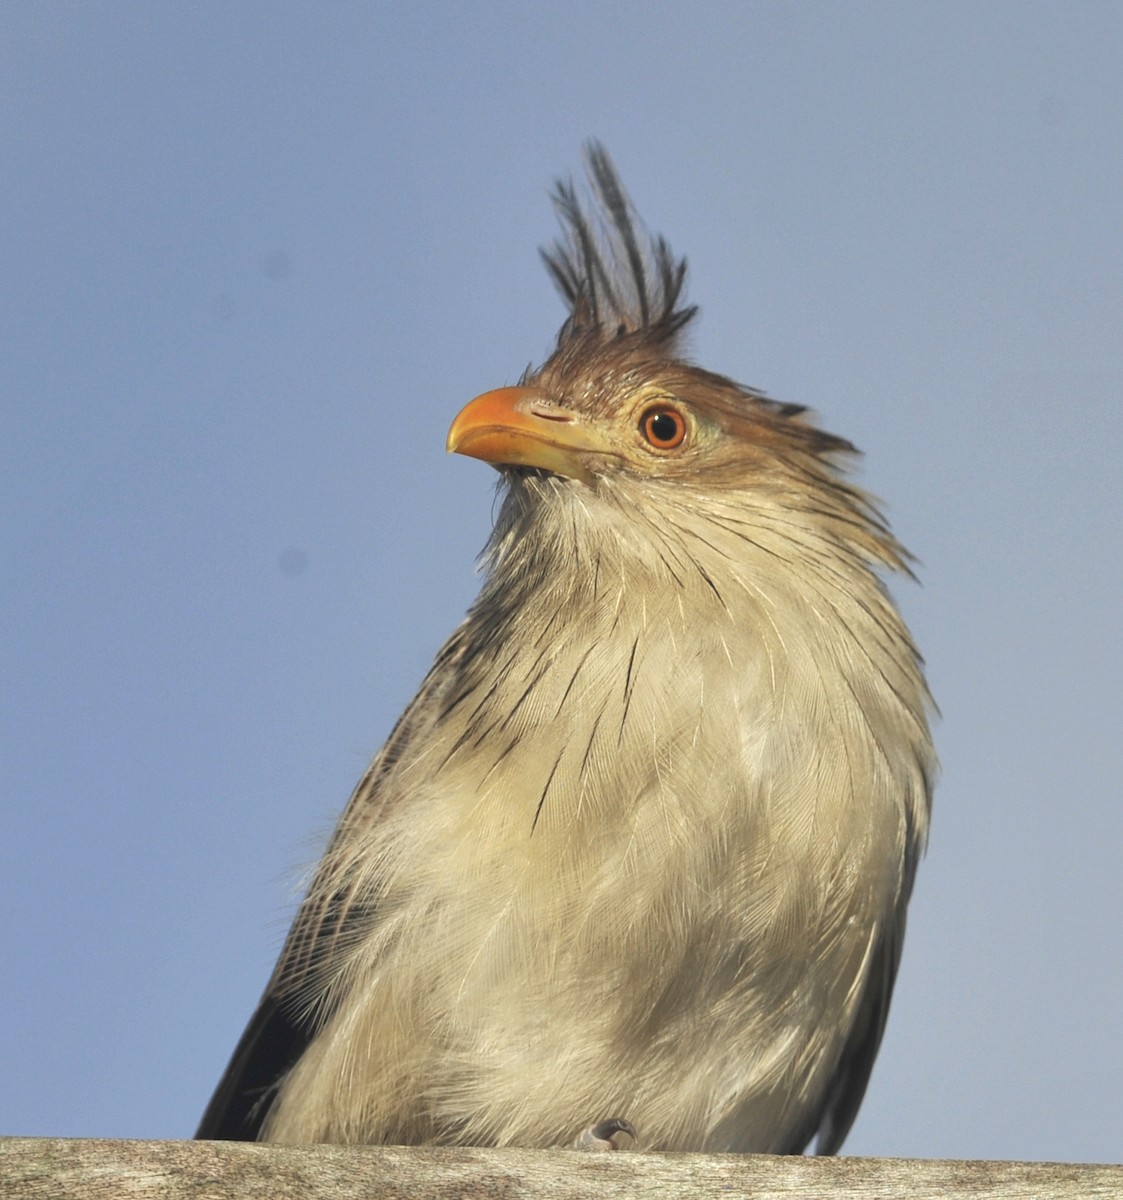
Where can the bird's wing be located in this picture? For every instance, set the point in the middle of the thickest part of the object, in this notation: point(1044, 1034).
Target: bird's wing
point(284, 1023)
point(848, 1085)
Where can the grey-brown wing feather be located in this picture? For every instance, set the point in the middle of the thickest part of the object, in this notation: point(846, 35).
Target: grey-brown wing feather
point(848, 1085)
point(284, 1023)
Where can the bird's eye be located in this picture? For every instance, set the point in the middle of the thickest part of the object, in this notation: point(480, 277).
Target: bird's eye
point(663, 427)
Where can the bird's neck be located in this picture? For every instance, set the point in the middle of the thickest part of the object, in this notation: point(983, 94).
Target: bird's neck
point(672, 635)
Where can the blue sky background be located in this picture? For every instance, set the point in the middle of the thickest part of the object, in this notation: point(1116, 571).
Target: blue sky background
point(253, 258)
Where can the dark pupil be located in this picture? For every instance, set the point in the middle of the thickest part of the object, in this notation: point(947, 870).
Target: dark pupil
point(662, 427)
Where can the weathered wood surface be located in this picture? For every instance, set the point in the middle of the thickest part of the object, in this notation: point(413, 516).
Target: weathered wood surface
point(82, 1169)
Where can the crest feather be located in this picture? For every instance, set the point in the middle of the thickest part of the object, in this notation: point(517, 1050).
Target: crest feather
point(615, 276)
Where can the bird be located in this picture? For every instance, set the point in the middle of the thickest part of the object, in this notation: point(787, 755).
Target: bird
point(636, 858)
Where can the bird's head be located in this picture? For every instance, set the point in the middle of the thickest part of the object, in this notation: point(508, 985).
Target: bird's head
point(618, 407)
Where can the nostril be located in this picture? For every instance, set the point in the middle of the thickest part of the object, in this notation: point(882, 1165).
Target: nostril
point(551, 414)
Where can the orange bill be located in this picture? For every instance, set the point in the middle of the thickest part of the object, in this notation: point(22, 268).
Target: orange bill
point(522, 427)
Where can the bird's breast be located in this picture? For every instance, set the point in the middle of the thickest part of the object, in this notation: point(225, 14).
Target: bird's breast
point(662, 833)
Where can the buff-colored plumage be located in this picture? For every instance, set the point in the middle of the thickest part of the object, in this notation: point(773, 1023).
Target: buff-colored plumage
point(642, 845)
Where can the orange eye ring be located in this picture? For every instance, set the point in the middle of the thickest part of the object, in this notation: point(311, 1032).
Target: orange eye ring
point(663, 427)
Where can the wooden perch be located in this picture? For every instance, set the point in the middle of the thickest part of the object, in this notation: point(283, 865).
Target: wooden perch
point(87, 1169)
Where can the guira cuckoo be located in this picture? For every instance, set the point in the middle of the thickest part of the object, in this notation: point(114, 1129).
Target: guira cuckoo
point(639, 851)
